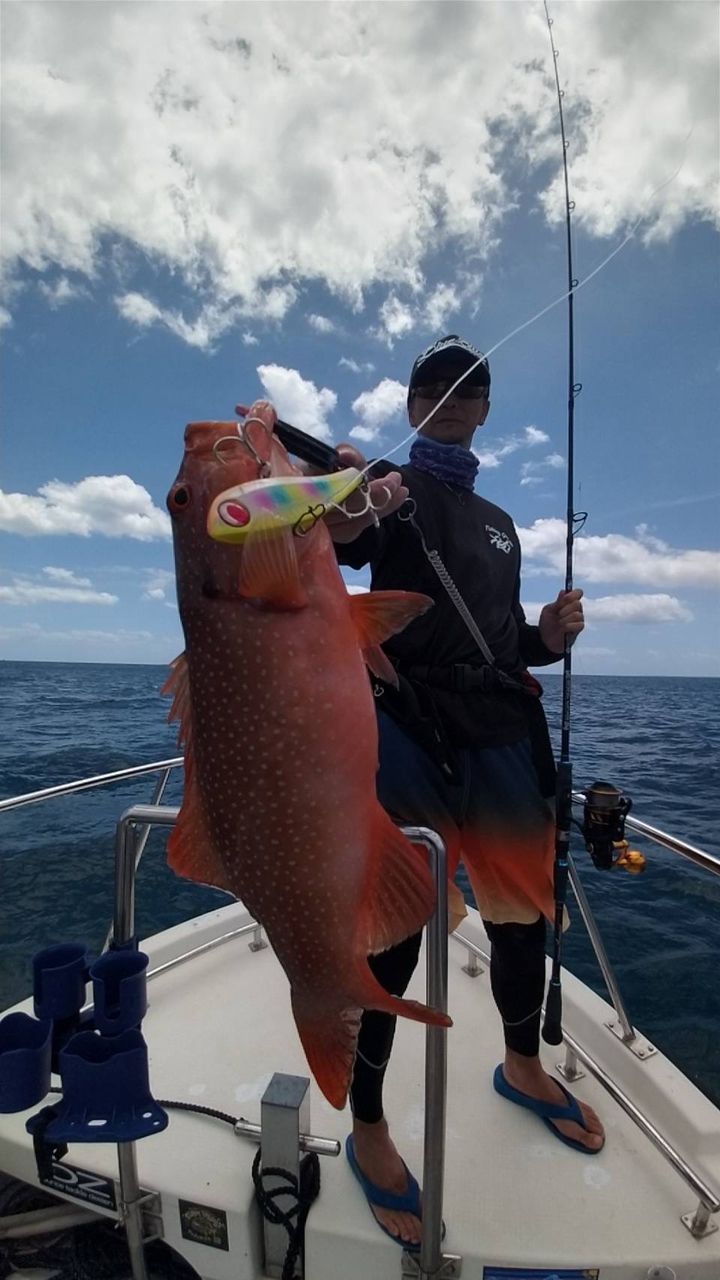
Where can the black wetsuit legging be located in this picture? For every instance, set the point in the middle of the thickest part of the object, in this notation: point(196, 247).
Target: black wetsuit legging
point(411, 788)
point(517, 977)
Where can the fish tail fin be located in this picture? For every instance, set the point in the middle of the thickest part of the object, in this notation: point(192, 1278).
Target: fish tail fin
point(330, 1043)
point(330, 1038)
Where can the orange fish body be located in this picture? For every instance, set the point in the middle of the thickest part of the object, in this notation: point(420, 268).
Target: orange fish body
point(277, 719)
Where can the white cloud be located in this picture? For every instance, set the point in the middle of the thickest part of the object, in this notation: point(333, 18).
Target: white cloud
point(87, 644)
point(112, 505)
point(353, 365)
point(534, 472)
point(249, 339)
point(637, 608)
point(224, 141)
point(158, 582)
point(297, 400)
point(650, 608)
point(23, 591)
point(377, 407)
point(494, 455)
point(614, 557)
point(396, 319)
point(321, 324)
point(441, 303)
point(211, 322)
point(66, 576)
point(364, 434)
point(533, 435)
point(61, 291)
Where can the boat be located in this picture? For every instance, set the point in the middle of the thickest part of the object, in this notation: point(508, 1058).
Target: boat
point(227, 1070)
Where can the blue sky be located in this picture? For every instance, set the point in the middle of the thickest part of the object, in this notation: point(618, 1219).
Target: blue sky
point(207, 203)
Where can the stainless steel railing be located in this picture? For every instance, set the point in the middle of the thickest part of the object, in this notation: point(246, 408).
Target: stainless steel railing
point(140, 818)
point(131, 836)
point(701, 857)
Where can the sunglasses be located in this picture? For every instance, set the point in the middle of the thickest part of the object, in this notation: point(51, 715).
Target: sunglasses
point(464, 390)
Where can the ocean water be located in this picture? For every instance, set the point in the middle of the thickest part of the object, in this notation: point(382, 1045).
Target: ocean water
point(657, 739)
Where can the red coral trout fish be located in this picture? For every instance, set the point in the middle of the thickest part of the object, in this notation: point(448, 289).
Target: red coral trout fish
point(278, 724)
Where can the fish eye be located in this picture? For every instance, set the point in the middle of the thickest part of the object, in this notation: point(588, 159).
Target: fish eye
point(178, 498)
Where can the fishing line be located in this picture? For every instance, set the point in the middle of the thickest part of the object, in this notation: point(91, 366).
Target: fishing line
point(575, 287)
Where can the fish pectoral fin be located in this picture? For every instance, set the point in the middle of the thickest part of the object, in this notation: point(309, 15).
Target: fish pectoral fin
point(377, 615)
point(191, 852)
point(330, 1042)
point(399, 893)
point(269, 569)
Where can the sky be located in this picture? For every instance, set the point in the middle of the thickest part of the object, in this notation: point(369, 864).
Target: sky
point(207, 203)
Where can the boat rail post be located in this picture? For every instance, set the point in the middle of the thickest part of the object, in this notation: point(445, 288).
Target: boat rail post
point(623, 1027)
point(432, 1263)
point(125, 866)
point(284, 1118)
point(131, 1202)
point(127, 842)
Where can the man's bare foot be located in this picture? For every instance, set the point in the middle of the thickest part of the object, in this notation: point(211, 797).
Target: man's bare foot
point(380, 1161)
point(529, 1076)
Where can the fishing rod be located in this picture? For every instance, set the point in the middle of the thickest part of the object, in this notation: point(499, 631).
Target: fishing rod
point(603, 826)
point(552, 1026)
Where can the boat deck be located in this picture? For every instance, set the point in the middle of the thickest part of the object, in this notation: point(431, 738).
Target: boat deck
point(219, 1025)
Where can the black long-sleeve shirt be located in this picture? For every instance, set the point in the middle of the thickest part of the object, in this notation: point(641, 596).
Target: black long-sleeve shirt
point(478, 544)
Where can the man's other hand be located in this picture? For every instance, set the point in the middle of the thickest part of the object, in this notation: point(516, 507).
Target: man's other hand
point(564, 617)
point(386, 495)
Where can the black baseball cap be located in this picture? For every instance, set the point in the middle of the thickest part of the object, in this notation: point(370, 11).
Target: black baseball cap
point(448, 358)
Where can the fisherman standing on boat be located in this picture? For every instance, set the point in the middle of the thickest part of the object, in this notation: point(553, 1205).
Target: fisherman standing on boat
point(464, 749)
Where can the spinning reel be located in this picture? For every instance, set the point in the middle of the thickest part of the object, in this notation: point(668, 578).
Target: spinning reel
point(603, 829)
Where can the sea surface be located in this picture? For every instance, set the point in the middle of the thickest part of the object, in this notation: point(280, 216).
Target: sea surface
point(657, 739)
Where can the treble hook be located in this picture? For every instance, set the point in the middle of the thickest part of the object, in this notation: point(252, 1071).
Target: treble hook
point(264, 467)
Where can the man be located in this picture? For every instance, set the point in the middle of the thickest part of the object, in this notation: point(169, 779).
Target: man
point(464, 749)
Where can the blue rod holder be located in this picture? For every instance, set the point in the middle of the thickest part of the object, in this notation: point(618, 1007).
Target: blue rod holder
point(119, 991)
point(106, 1091)
point(25, 1051)
point(60, 975)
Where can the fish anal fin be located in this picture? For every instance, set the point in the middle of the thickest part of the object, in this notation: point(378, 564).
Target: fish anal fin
point(269, 569)
point(400, 890)
point(380, 665)
point(191, 851)
point(329, 1040)
point(374, 996)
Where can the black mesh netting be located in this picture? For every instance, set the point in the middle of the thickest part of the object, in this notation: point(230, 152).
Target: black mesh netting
point(96, 1251)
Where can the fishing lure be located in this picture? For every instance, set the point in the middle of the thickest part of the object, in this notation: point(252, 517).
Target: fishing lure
point(275, 503)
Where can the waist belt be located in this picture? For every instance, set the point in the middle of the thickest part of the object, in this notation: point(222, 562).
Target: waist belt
point(461, 677)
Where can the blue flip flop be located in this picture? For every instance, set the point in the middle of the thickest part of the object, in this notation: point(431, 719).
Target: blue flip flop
point(378, 1198)
point(548, 1111)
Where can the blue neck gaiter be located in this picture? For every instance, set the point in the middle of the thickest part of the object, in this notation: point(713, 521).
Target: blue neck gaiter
point(449, 462)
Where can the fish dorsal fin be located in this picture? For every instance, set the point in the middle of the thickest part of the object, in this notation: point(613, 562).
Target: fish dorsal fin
point(400, 890)
point(269, 569)
point(377, 615)
point(191, 851)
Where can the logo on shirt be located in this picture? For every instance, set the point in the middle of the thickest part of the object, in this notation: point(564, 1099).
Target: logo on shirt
point(499, 540)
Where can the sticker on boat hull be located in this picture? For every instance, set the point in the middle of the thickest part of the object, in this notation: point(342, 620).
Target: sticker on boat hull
point(203, 1225)
point(541, 1273)
point(81, 1184)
